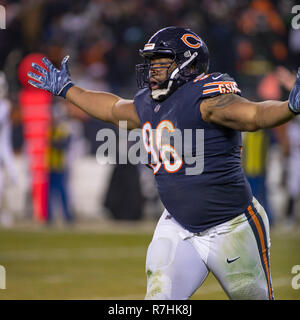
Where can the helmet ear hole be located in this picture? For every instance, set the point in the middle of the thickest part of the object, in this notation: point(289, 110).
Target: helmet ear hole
point(187, 54)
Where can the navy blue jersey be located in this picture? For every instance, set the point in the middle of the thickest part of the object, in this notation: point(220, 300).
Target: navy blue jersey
point(203, 185)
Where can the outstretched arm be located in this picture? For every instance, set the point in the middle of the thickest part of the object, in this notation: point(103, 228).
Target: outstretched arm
point(104, 106)
point(233, 111)
point(101, 105)
point(238, 113)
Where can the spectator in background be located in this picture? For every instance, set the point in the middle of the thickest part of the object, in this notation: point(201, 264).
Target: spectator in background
point(60, 138)
point(7, 162)
point(78, 145)
point(261, 43)
point(293, 172)
point(290, 144)
point(256, 146)
point(124, 198)
point(254, 156)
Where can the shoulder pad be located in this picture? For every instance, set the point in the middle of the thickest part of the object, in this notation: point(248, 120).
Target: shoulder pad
point(142, 93)
point(141, 100)
point(141, 97)
point(217, 83)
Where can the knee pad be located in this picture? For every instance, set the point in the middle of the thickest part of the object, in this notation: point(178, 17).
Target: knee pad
point(159, 256)
point(160, 253)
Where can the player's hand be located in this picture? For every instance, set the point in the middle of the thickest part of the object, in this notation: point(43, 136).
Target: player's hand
point(51, 79)
point(294, 98)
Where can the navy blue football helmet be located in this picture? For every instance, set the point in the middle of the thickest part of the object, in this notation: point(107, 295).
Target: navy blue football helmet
point(187, 50)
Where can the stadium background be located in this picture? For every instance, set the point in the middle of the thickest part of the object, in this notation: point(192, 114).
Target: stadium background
point(100, 255)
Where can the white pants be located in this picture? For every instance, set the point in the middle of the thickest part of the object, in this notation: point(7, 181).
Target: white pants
point(236, 252)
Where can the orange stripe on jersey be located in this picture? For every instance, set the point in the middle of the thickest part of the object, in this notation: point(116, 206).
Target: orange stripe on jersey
point(211, 90)
point(217, 83)
point(263, 247)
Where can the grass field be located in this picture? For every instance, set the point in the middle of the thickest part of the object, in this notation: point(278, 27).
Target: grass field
point(60, 264)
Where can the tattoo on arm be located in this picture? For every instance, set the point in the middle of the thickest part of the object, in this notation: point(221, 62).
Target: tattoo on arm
point(221, 100)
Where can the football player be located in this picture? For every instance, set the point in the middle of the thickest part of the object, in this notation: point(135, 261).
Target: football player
point(211, 220)
point(7, 160)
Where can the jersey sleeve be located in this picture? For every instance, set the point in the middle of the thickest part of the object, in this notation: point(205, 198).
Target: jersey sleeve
point(216, 84)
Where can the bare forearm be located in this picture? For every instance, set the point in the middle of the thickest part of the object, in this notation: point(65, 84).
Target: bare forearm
point(244, 115)
point(272, 114)
point(97, 104)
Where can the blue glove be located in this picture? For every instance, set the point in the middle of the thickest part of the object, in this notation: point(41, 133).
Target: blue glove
point(58, 82)
point(294, 98)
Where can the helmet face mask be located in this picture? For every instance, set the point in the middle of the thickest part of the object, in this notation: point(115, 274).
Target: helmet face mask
point(144, 70)
point(185, 48)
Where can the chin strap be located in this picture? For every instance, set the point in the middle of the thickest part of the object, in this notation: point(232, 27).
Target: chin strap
point(161, 94)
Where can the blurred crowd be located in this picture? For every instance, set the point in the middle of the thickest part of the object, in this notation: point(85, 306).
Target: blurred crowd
point(252, 40)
